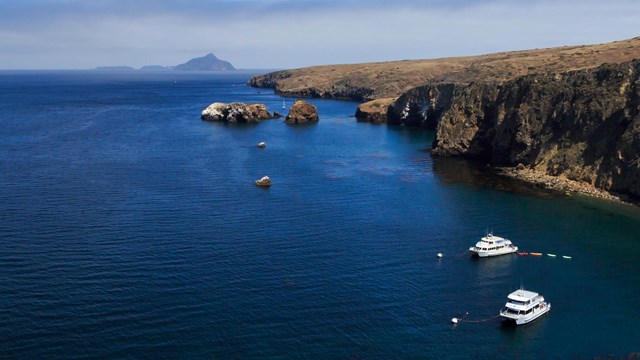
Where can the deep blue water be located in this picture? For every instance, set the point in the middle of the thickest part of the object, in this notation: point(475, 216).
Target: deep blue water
point(129, 228)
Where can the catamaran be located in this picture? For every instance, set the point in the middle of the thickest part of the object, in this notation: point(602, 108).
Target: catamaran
point(524, 306)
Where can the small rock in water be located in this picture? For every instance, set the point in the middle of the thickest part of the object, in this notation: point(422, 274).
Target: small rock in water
point(265, 181)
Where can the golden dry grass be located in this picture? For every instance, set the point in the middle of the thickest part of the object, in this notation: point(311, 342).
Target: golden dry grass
point(390, 79)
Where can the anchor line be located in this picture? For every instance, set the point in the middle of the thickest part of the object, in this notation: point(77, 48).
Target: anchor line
point(464, 253)
point(478, 321)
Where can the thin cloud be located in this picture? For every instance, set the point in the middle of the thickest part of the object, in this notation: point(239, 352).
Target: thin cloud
point(285, 34)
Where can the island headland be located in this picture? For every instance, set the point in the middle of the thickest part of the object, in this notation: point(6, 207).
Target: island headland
point(571, 114)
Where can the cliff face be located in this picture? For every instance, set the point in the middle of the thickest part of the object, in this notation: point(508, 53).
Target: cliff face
point(584, 125)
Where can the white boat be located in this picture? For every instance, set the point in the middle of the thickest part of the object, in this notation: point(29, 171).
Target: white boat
point(491, 245)
point(524, 306)
point(283, 104)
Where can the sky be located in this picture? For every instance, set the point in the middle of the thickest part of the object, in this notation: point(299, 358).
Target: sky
point(278, 34)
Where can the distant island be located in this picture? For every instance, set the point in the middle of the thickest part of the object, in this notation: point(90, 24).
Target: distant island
point(156, 68)
point(208, 62)
point(115, 68)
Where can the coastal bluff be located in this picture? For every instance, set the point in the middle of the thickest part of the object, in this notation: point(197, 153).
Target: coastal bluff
point(581, 125)
point(378, 80)
point(569, 112)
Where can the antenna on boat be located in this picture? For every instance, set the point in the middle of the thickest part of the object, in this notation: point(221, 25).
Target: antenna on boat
point(488, 232)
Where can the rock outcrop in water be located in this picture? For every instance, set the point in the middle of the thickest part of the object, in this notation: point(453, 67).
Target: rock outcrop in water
point(236, 112)
point(583, 125)
point(302, 112)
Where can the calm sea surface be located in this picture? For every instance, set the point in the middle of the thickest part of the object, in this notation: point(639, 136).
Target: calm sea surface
point(129, 228)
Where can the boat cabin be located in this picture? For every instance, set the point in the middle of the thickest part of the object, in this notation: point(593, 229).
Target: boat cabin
point(523, 301)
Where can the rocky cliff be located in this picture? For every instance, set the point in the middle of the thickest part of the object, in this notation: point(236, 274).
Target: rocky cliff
point(583, 125)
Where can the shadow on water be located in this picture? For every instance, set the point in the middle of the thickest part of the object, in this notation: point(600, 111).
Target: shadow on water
point(457, 171)
point(509, 327)
point(452, 171)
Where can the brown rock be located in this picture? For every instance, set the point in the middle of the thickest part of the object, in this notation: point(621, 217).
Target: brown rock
point(264, 181)
point(374, 111)
point(302, 112)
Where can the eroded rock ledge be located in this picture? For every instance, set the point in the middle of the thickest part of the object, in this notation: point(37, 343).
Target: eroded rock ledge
point(559, 183)
point(374, 111)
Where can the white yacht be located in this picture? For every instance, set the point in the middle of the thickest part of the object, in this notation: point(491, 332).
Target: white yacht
point(524, 306)
point(491, 245)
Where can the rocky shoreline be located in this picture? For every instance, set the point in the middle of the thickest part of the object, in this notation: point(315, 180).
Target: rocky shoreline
point(560, 184)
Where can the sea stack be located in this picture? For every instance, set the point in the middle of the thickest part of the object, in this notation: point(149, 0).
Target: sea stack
point(302, 112)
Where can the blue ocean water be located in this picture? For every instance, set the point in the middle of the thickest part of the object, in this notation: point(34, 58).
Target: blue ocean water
point(129, 228)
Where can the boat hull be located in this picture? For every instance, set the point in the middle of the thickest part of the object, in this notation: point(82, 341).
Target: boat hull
point(505, 251)
point(525, 319)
